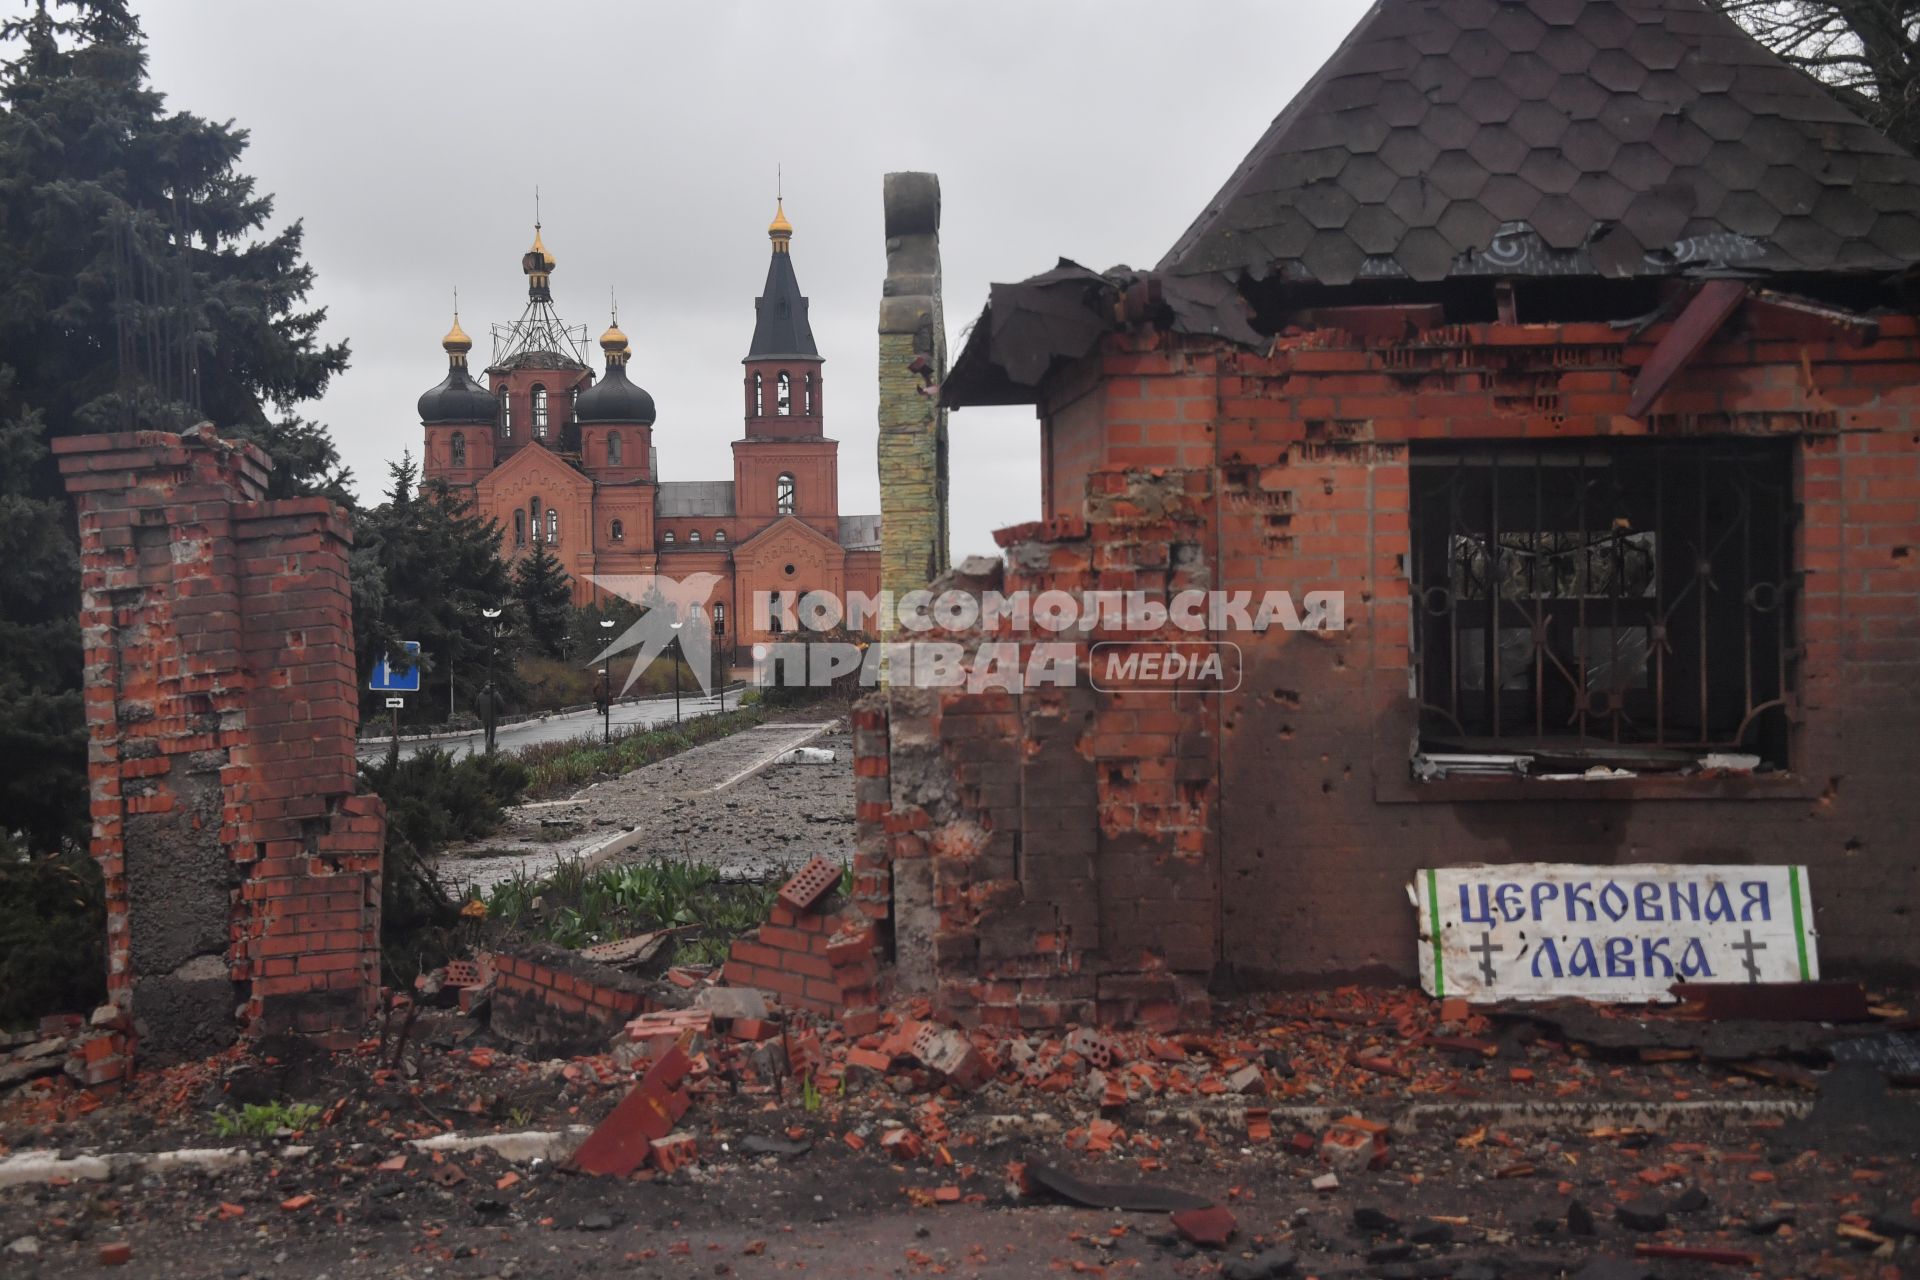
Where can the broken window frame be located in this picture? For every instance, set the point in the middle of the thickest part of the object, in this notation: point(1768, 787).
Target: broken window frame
point(785, 494)
point(1719, 627)
point(539, 412)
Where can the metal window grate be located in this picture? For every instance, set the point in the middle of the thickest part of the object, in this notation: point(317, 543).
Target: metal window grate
point(1634, 594)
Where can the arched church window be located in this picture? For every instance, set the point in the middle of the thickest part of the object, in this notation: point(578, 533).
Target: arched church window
point(506, 416)
point(618, 532)
point(615, 450)
point(783, 395)
point(519, 528)
point(667, 537)
point(719, 618)
point(534, 507)
point(783, 494)
point(719, 535)
point(458, 447)
point(759, 396)
point(553, 524)
point(539, 412)
point(694, 536)
point(806, 395)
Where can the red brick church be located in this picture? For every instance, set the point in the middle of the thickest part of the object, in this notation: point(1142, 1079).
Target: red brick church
point(563, 460)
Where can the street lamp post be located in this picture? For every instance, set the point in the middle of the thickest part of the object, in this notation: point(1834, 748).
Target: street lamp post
point(606, 688)
point(676, 671)
point(492, 699)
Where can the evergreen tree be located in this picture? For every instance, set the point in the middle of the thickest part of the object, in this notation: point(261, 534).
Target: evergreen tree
point(138, 287)
point(546, 599)
point(43, 762)
point(425, 565)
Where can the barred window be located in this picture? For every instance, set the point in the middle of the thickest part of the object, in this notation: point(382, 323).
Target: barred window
point(1629, 604)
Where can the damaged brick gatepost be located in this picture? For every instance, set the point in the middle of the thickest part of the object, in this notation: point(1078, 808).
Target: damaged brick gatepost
point(242, 867)
point(1049, 856)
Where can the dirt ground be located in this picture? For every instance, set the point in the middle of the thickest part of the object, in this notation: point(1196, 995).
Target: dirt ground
point(695, 806)
point(1489, 1151)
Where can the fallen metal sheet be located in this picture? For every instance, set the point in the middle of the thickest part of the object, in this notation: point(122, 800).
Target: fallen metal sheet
point(1132, 1197)
point(1775, 1001)
point(756, 1144)
point(1731, 1041)
point(1536, 931)
point(1895, 1054)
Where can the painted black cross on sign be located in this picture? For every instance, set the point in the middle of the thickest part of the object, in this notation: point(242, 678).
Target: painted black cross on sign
point(1485, 949)
point(1748, 946)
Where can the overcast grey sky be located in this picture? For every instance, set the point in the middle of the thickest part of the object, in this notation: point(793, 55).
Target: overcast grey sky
point(410, 135)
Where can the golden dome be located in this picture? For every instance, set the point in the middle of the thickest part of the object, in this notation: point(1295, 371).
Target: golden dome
point(456, 343)
point(613, 339)
point(779, 226)
point(537, 258)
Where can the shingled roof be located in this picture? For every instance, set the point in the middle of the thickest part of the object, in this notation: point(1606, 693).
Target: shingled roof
point(1557, 137)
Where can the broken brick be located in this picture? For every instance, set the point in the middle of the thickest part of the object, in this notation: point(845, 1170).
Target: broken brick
point(953, 1056)
point(622, 1142)
point(810, 885)
point(673, 1151)
point(1210, 1228)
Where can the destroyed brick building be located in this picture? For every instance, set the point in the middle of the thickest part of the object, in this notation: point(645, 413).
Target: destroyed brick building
point(241, 864)
point(1574, 344)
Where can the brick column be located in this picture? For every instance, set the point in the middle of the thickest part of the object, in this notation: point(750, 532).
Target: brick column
point(913, 426)
point(242, 869)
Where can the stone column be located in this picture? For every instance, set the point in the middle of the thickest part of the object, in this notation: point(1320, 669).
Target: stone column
point(913, 426)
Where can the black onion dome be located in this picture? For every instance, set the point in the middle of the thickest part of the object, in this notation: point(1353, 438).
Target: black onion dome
point(615, 399)
point(457, 399)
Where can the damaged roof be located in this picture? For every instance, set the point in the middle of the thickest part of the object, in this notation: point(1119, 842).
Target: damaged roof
point(693, 498)
point(1557, 137)
point(1058, 316)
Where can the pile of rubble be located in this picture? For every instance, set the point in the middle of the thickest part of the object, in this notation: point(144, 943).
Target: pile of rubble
point(91, 1051)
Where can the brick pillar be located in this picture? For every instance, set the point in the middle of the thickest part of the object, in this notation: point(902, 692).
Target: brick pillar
point(913, 426)
point(242, 869)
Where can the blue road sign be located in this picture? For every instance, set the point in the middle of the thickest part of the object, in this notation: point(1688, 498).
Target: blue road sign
point(405, 680)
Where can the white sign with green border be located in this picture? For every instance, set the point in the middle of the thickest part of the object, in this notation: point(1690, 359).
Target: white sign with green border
point(1538, 930)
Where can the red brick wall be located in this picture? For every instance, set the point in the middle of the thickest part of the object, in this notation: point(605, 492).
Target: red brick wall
point(554, 1001)
point(1271, 832)
point(1320, 827)
point(241, 866)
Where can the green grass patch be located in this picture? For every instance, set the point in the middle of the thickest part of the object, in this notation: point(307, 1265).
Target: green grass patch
point(558, 768)
point(575, 907)
point(264, 1119)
